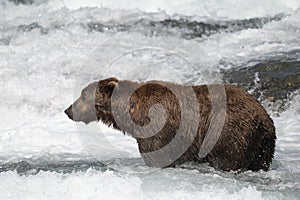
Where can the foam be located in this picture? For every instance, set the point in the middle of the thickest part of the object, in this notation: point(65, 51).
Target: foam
point(105, 185)
point(225, 8)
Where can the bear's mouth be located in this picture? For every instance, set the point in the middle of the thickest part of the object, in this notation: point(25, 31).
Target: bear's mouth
point(86, 122)
point(77, 117)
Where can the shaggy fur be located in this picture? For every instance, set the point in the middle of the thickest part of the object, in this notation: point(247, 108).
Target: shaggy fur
point(247, 140)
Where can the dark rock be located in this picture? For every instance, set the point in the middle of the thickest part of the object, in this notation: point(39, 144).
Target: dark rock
point(270, 80)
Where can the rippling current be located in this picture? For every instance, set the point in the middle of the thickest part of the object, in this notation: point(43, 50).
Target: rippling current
point(50, 49)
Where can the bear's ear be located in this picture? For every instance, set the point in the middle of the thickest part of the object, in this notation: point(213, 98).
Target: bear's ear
point(107, 85)
point(113, 84)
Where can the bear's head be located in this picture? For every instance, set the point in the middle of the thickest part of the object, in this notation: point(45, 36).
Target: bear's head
point(94, 103)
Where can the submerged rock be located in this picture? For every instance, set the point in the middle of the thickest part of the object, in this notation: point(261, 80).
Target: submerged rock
point(272, 81)
point(189, 29)
point(32, 167)
point(28, 2)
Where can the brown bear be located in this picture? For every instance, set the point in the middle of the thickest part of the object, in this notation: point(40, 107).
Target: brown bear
point(158, 113)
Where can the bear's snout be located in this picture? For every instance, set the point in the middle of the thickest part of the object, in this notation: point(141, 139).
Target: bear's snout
point(69, 112)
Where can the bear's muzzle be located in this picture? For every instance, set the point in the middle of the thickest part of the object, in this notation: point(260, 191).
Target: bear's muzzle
point(69, 112)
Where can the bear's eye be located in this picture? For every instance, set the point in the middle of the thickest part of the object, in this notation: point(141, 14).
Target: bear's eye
point(84, 96)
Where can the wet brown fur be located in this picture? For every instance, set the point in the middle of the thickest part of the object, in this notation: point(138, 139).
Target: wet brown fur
point(247, 141)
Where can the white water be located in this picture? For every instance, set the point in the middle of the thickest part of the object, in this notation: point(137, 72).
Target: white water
point(38, 73)
point(208, 8)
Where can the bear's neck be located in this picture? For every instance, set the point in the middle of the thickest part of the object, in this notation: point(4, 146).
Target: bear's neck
point(120, 105)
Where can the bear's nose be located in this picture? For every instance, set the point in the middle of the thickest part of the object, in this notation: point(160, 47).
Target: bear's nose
point(69, 112)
